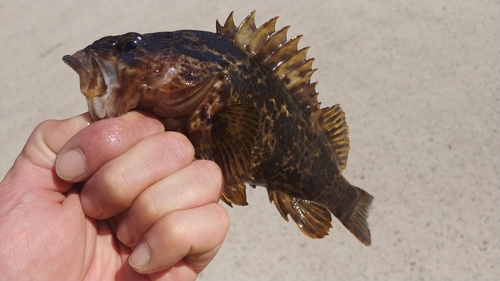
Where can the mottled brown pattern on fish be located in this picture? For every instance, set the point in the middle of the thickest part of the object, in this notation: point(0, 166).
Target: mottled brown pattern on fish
point(243, 97)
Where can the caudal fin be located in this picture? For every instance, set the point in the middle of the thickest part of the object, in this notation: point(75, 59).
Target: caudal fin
point(356, 222)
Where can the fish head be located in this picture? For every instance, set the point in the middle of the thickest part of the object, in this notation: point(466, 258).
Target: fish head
point(149, 72)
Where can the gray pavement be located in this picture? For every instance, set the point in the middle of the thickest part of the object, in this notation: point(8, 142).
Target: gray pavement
point(419, 82)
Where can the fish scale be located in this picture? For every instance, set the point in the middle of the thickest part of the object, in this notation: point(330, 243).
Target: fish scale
point(244, 98)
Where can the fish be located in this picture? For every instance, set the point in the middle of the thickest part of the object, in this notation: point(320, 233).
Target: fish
point(244, 98)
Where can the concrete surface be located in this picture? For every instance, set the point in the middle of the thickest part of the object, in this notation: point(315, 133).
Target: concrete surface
point(418, 80)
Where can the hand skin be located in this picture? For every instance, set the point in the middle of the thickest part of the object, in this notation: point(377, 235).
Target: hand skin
point(136, 207)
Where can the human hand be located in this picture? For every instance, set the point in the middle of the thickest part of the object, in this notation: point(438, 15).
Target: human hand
point(140, 184)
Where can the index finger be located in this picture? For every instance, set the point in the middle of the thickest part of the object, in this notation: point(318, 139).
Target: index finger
point(102, 141)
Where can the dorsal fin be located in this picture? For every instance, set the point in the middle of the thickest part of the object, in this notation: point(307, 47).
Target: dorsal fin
point(229, 29)
point(332, 121)
point(280, 55)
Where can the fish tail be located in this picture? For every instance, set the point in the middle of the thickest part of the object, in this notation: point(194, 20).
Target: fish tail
point(355, 220)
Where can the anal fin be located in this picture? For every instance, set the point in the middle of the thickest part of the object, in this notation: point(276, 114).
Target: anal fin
point(312, 219)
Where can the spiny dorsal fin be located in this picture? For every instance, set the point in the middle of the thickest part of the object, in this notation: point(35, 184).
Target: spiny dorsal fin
point(229, 29)
point(280, 55)
point(332, 121)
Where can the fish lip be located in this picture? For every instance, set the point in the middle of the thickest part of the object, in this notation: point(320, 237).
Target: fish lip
point(99, 106)
point(85, 65)
point(97, 81)
point(77, 62)
point(96, 109)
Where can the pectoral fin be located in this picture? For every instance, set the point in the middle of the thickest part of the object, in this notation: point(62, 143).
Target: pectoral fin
point(312, 219)
point(230, 145)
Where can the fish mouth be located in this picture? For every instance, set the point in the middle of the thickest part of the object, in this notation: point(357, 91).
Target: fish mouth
point(114, 85)
point(98, 83)
point(91, 79)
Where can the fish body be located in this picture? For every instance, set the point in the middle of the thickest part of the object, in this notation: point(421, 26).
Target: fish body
point(243, 97)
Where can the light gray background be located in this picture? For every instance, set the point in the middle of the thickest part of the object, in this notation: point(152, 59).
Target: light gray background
point(418, 80)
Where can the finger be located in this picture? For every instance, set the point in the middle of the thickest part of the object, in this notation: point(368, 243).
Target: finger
point(193, 236)
point(50, 136)
point(102, 141)
point(115, 185)
point(198, 184)
point(41, 150)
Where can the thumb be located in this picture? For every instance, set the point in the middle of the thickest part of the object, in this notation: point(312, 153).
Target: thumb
point(37, 211)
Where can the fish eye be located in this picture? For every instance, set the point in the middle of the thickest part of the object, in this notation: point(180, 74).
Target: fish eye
point(130, 41)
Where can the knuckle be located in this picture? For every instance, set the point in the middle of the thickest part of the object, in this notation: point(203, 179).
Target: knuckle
point(177, 226)
point(150, 205)
point(42, 140)
point(178, 146)
point(114, 185)
point(41, 130)
point(221, 216)
point(208, 172)
point(44, 126)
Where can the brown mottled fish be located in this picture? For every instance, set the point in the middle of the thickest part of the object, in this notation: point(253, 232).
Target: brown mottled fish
point(243, 97)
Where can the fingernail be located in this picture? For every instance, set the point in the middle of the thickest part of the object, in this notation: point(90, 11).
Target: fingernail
point(90, 205)
point(71, 165)
point(140, 257)
point(125, 233)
